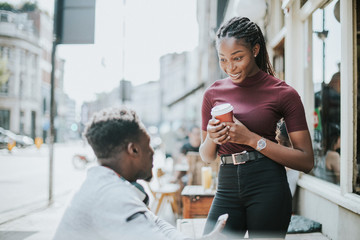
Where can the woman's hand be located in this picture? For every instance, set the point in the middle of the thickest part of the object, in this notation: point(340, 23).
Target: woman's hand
point(238, 132)
point(217, 132)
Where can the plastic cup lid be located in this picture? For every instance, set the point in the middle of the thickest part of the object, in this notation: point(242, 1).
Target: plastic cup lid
point(221, 109)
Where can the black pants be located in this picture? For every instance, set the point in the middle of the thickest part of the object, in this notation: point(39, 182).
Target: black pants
point(256, 196)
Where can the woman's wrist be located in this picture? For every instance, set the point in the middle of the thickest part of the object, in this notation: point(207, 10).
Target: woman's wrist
point(253, 139)
point(208, 149)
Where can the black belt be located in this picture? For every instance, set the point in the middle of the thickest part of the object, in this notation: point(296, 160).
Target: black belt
point(240, 158)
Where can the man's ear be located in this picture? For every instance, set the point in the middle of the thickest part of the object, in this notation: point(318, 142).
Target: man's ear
point(132, 149)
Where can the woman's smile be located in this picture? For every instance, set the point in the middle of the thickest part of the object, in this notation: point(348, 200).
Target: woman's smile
point(234, 76)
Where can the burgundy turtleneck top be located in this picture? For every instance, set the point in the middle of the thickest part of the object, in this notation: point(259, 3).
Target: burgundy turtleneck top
point(259, 101)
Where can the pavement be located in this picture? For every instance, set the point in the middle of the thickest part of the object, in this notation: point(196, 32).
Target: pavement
point(37, 222)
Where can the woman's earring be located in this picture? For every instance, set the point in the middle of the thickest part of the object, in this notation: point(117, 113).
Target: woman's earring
point(254, 55)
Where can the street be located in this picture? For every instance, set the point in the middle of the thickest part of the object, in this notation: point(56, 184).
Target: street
point(24, 177)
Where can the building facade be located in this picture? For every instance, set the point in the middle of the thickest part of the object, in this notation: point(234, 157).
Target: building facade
point(20, 96)
point(26, 44)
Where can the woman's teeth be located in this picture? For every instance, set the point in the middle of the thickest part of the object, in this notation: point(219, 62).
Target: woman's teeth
point(234, 75)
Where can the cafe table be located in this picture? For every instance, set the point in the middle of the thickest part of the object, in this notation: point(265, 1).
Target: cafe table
point(196, 201)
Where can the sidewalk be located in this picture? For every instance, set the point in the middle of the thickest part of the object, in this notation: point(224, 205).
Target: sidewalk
point(38, 223)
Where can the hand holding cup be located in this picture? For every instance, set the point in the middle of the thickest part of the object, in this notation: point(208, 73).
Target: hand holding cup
point(223, 112)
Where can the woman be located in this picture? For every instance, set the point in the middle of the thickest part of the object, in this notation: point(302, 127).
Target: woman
point(255, 193)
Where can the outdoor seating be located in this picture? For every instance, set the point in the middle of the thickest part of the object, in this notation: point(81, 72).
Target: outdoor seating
point(164, 192)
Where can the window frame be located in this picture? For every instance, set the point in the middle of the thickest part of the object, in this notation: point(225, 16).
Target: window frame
point(342, 195)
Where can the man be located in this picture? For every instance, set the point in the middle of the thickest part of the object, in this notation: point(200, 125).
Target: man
point(194, 141)
point(190, 146)
point(109, 204)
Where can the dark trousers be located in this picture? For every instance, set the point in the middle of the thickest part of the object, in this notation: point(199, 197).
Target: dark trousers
point(256, 196)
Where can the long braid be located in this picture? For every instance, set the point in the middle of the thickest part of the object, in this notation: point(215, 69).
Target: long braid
point(243, 28)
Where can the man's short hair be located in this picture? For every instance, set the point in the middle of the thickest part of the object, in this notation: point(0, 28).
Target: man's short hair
point(111, 129)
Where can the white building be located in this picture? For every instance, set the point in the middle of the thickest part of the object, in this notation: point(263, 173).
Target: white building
point(26, 44)
point(20, 96)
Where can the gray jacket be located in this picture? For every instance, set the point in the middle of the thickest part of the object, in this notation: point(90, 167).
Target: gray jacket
point(108, 207)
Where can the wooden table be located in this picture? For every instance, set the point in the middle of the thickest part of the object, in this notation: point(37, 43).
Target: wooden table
point(196, 201)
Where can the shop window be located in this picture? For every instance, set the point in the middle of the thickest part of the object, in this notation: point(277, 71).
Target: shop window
point(326, 45)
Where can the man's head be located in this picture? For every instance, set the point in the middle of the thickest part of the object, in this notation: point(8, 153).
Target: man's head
point(120, 142)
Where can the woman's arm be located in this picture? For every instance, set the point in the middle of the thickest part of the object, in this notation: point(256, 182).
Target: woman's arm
point(216, 134)
point(300, 157)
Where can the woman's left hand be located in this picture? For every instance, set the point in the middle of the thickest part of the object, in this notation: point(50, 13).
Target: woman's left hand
point(238, 132)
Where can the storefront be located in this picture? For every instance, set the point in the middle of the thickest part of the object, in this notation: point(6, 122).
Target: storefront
point(321, 62)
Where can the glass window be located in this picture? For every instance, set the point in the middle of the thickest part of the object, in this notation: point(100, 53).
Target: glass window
point(4, 87)
point(4, 17)
point(326, 49)
point(5, 119)
point(5, 75)
point(22, 122)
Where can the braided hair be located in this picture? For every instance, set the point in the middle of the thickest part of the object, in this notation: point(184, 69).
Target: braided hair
point(250, 32)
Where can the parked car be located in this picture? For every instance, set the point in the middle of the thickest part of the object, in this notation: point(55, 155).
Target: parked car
point(21, 140)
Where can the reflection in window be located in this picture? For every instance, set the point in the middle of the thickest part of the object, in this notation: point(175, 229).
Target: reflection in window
point(326, 47)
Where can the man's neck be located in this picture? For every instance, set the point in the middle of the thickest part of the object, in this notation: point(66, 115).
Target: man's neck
point(119, 172)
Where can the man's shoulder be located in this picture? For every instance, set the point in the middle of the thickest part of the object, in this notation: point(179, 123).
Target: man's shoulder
point(105, 183)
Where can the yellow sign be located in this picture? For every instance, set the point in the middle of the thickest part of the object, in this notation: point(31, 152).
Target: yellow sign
point(38, 142)
point(11, 144)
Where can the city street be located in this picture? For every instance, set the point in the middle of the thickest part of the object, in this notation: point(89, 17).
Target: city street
point(24, 177)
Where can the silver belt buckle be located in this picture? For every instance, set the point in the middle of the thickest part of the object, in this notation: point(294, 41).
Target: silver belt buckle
point(234, 155)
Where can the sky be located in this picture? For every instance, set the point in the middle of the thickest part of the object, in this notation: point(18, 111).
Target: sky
point(153, 28)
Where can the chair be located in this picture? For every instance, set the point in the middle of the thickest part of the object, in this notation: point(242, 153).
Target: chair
point(163, 192)
point(195, 163)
